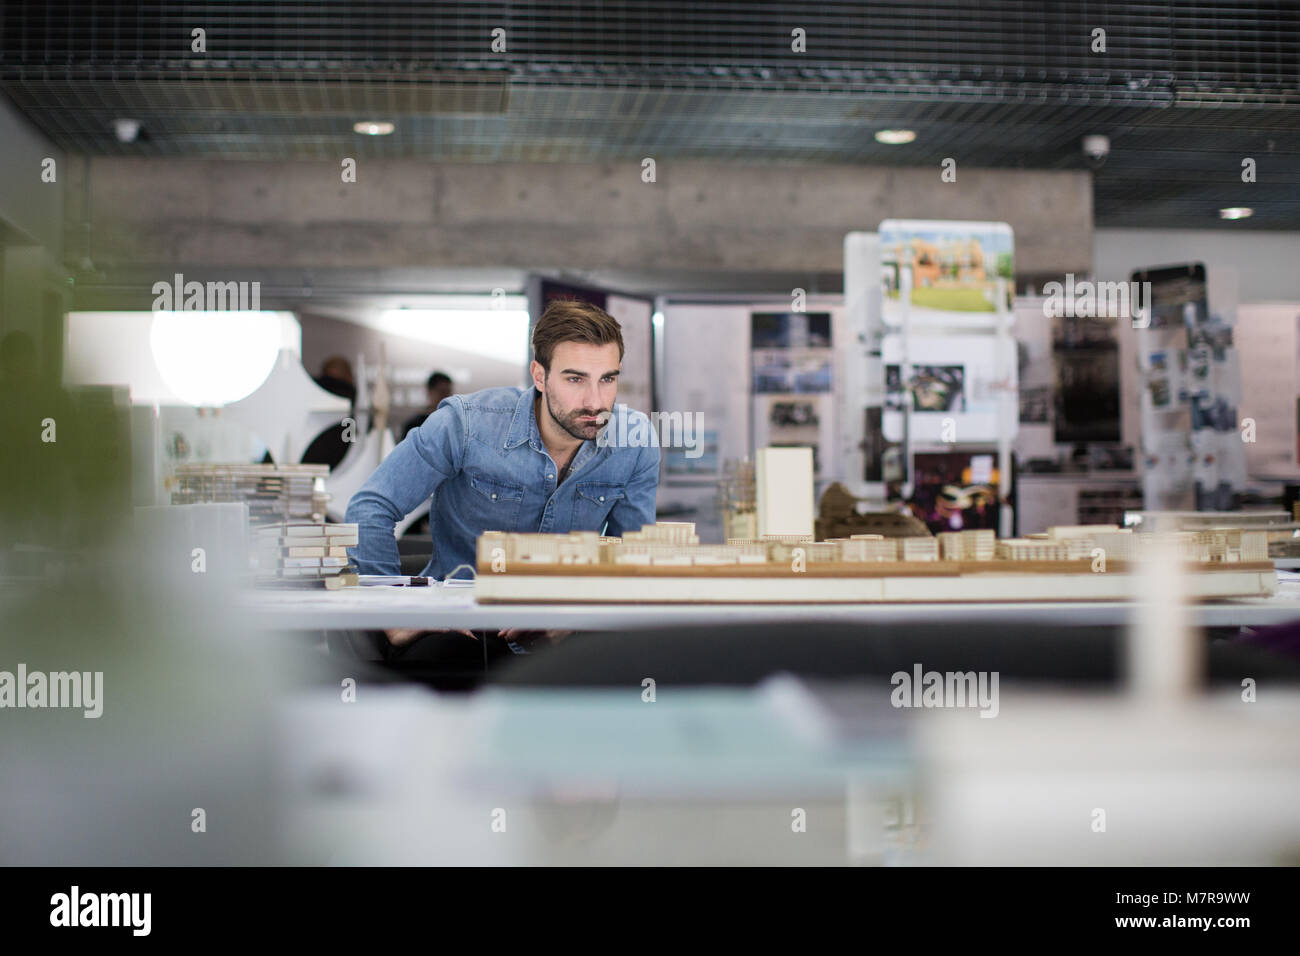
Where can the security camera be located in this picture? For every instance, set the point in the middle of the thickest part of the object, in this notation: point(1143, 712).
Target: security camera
point(1096, 148)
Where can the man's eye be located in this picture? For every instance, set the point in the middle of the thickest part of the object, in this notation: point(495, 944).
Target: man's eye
point(609, 378)
point(574, 380)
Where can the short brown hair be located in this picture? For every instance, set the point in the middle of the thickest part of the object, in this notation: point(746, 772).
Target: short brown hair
point(572, 320)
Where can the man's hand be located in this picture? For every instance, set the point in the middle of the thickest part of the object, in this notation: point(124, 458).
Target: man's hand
point(401, 636)
point(526, 637)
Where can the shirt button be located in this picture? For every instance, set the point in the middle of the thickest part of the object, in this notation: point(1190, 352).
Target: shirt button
point(550, 476)
point(602, 497)
point(494, 497)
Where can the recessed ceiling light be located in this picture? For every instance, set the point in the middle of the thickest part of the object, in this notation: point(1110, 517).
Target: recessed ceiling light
point(895, 137)
point(373, 127)
point(1236, 212)
point(126, 130)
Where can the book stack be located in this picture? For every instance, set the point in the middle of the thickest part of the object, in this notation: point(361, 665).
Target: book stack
point(305, 552)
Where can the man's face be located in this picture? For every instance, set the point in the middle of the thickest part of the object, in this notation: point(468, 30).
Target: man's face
point(580, 387)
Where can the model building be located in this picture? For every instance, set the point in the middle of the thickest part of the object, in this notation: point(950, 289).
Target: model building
point(958, 566)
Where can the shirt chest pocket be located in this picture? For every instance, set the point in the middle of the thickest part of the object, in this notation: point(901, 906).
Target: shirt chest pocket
point(592, 503)
point(496, 503)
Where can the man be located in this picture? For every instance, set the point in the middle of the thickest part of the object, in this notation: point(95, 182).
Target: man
point(436, 389)
point(330, 447)
point(336, 376)
point(514, 459)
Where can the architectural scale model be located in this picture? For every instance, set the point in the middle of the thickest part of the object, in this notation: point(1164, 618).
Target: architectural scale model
point(290, 540)
point(1283, 529)
point(665, 562)
point(274, 493)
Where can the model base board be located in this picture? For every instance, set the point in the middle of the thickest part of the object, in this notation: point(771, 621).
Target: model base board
point(937, 584)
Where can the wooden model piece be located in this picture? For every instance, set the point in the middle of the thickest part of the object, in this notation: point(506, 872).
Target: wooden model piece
point(784, 482)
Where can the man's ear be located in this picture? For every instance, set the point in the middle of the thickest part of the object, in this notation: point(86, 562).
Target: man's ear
point(539, 375)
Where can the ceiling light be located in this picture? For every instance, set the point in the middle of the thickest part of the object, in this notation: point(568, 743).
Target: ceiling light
point(1236, 212)
point(895, 137)
point(215, 358)
point(373, 127)
point(126, 130)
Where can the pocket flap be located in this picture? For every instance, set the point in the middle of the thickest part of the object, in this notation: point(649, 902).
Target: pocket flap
point(496, 490)
point(601, 492)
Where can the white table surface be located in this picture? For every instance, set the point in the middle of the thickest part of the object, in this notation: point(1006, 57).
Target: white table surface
point(455, 607)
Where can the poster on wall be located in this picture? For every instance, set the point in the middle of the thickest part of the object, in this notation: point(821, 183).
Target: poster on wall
point(955, 491)
point(1087, 394)
point(792, 360)
point(953, 391)
point(695, 458)
point(791, 352)
point(1191, 377)
point(1035, 405)
point(946, 367)
point(954, 270)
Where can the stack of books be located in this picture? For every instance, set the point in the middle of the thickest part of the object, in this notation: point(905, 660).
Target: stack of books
point(305, 552)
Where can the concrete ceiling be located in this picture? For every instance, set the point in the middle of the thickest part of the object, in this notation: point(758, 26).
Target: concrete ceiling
point(1184, 91)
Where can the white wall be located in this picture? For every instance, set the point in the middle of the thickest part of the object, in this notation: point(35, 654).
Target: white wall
point(1267, 263)
point(1266, 339)
point(1259, 272)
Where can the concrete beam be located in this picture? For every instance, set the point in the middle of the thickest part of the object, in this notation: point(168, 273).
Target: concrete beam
point(696, 217)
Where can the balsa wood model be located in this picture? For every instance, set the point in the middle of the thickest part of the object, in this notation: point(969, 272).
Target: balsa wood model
point(665, 562)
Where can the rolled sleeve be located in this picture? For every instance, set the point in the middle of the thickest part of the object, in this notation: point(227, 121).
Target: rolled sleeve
point(427, 457)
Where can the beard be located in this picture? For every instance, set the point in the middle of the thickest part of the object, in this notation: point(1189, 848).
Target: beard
point(569, 420)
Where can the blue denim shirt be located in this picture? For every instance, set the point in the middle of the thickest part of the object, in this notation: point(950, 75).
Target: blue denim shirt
point(481, 459)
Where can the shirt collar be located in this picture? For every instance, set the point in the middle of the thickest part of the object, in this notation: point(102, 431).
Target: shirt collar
point(523, 427)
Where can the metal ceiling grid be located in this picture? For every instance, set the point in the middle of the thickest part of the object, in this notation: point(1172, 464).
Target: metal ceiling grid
point(1184, 89)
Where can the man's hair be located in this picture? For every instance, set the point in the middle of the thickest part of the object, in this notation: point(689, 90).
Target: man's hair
point(336, 366)
point(571, 320)
point(436, 379)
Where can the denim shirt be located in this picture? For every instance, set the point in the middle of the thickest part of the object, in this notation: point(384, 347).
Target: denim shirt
point(481, 459)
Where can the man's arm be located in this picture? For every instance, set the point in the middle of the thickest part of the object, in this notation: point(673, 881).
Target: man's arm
point(428, 456)
point(638, 507)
